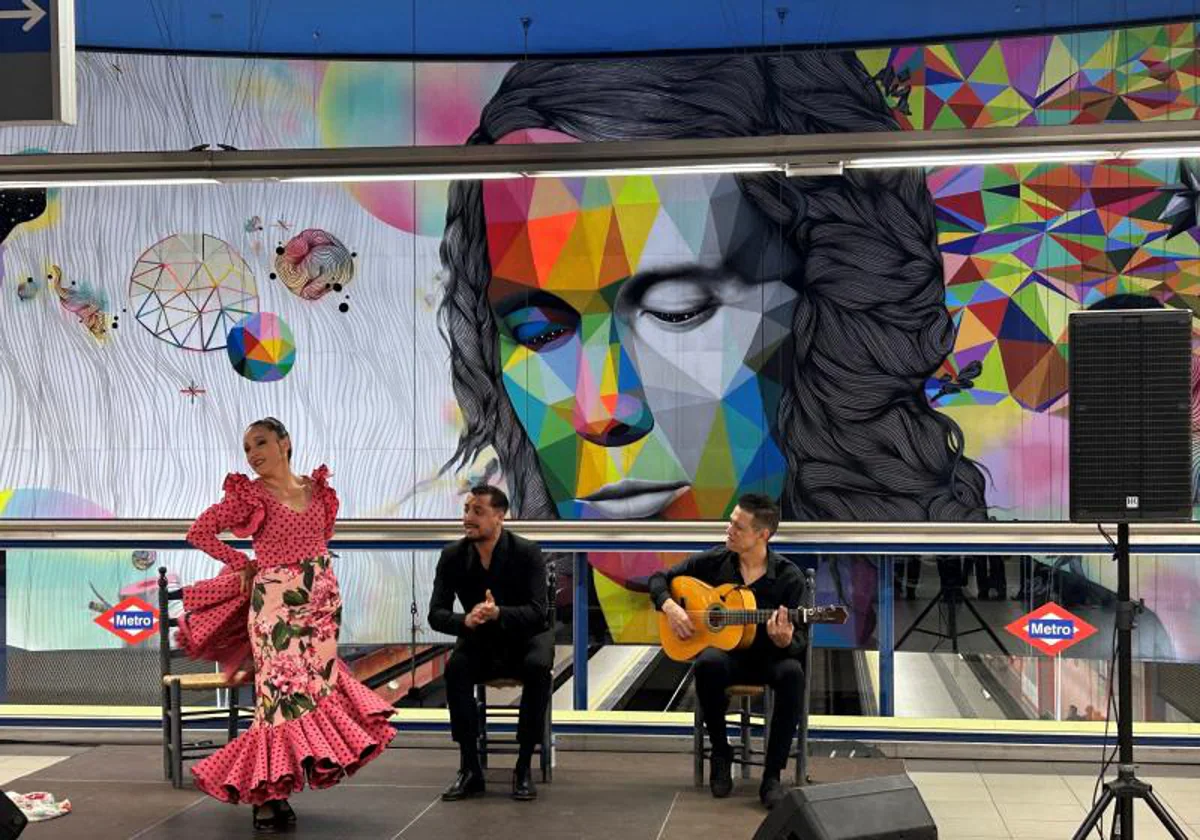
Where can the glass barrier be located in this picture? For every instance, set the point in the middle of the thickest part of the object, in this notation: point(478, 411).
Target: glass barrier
point(927, 636)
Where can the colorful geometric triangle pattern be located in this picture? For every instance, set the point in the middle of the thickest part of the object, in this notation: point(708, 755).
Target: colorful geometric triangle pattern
point(1081, 78)
point(1024, 246)
point(189, 289)
point(262, 348)
point(613, 366)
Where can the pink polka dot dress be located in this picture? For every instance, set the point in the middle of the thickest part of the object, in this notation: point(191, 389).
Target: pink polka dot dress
point(314, 723)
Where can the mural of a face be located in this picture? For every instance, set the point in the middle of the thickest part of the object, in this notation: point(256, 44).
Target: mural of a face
point(641, 322)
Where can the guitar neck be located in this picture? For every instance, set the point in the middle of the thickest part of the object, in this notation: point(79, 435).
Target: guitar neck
point(798, 616)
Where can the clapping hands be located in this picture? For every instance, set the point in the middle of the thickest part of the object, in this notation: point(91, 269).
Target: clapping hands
point(483, 612)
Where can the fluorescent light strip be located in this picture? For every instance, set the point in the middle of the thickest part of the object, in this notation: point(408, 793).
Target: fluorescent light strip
point(134, 182)
point(682, 169)
point(409, 176)
point(981, 159)
point(813, 170)
point(830, 168)
point(1160, 152)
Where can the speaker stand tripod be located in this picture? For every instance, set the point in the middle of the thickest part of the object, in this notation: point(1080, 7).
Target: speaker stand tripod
point(1127, 787)
point(954, 597)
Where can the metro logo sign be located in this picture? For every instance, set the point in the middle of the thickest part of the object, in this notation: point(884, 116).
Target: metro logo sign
point(132, 620)
point(1051, 629)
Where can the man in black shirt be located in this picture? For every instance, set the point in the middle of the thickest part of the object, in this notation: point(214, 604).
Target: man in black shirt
point(506, 633)
point(774, 656)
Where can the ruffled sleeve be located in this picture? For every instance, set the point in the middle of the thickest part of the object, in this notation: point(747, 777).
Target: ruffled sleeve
point(327, 496)
point(241, 511)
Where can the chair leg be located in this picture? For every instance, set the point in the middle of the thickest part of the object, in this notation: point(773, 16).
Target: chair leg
point(747, 756)
point(698, 746)
point(768, 711)
point(233, 713)
point(166, 732)
point(176, 735)
point(548, 745)
point(482, 743)
point(801, 761)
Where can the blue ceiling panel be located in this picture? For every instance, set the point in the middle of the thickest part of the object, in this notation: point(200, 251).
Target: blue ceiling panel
point(493, 27)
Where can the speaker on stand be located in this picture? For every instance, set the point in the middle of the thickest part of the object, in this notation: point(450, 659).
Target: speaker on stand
point(1130, 461)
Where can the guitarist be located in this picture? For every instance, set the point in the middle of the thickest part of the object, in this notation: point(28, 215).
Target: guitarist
point(773, 658)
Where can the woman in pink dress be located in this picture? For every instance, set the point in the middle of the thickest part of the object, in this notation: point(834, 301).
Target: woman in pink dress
point(313, 722)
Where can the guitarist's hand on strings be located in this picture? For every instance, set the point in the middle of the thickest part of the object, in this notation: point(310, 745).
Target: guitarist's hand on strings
point(779, 628)
point(680, 621)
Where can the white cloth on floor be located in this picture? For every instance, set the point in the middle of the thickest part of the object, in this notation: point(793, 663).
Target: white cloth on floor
point(39, 806)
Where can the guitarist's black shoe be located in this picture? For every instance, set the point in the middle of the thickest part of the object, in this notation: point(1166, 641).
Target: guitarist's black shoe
point(523, 789)
point(720, 777)
point(770, 792)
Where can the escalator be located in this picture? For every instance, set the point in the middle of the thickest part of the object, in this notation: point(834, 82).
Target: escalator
point(403, 675)
point(838, 686)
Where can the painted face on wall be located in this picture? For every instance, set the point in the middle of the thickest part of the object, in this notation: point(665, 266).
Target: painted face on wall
point(641, 320)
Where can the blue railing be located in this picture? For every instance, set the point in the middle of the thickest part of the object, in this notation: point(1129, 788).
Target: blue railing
point(826, 538)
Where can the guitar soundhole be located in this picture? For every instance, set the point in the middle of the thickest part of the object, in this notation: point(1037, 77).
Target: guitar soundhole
point(714, 618)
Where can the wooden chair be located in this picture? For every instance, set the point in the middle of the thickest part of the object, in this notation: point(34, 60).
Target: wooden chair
point(507, 744)
point(175, 749)
point(745, 753)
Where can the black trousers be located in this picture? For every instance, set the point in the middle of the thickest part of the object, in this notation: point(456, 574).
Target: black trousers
point(529, 660)
point(716, 670)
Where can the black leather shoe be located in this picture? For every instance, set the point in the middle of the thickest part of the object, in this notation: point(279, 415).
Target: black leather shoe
point(466, 783)
point(264, 819)
point(284, 815)
point(523, 788)
point(720, 775)
point(771, 792)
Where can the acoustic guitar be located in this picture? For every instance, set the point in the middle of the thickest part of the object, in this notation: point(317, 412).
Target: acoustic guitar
point(725, 617)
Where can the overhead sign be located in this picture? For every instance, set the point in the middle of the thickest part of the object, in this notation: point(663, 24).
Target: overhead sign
point(132, 620)
point(1051, 629)
point(37, 60)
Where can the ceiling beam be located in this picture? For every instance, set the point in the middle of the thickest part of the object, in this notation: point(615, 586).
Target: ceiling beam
point(816, 154)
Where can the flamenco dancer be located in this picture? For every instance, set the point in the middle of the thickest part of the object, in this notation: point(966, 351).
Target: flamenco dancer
point(314, 723)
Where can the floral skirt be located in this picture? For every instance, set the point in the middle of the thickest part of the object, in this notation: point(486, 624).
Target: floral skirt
point(314, 723)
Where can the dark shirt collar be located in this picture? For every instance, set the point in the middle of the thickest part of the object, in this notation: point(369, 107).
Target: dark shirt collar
point(499, 551)
point(773, 561)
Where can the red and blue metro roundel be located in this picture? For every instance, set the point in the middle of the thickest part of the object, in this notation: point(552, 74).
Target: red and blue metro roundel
point(1051, 629)
point(132, 620)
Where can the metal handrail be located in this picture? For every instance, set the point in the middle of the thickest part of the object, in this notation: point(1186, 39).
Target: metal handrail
point(557, 535)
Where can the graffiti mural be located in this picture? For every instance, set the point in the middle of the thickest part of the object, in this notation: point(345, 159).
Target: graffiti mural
point(882, 346)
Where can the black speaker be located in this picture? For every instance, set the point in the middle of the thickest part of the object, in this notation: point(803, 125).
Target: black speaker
point(1130, 392)
point(12, 821)
point(882, 808)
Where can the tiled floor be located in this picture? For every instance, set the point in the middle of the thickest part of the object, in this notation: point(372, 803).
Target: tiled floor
point(998, 800)
point(15, 766)
point(118, 792)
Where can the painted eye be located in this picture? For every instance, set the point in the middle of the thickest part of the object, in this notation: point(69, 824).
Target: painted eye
point(693, 317)
point(540, 336)
point(675, 317)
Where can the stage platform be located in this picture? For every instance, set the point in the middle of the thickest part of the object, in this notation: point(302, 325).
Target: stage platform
point(118, 792)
